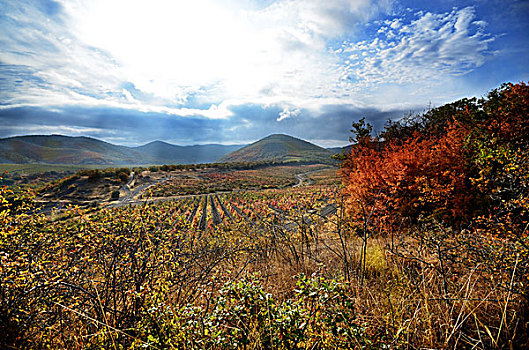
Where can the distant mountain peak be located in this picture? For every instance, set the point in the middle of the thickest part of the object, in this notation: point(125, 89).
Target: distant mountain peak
point(60, 149)
point(157, 143)
point(280, 137)
point(279, 147)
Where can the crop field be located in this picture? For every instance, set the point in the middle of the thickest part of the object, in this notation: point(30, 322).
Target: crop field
point(216, 270)
point(212, 180)
point(103, 187)
point(211, 212)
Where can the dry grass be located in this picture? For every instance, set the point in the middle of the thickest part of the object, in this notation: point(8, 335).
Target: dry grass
point(413, 297)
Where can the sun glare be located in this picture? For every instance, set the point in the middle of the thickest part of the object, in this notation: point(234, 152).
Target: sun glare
point(160, 44)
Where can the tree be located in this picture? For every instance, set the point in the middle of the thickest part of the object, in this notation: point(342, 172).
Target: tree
point(361, 131)
point(451, 163)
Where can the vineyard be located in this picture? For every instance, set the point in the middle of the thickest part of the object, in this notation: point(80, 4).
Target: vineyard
point(93, 278)
point(208, 213)
point(211, 180)
point(274, 268)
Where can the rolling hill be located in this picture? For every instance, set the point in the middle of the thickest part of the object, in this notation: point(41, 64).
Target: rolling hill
point(57, 149)
point(281, 148)
point(164, 152)
point(341, 150)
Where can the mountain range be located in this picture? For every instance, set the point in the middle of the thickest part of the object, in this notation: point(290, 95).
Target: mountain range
point(58, 149)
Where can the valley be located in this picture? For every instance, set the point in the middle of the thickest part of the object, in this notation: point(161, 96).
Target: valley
point(264, 175)
point(120, 186)
point(158, 186)
point(409, 242)
point(206, 223)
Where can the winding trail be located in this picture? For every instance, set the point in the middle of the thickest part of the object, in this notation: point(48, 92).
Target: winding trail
point(129, 193)
point(303, 179)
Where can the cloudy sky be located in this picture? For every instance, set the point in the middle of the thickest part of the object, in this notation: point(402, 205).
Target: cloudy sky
point(233, 71)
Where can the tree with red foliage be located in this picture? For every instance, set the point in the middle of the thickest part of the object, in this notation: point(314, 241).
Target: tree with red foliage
point(441, 168)
point(418, 177)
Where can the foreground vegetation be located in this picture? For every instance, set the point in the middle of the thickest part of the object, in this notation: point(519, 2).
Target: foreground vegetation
point(424, 246)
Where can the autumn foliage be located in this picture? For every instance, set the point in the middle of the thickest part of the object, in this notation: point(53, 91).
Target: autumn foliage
point(441, 166)
point(411, 178)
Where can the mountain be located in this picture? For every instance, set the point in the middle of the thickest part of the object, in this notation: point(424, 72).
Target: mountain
point(279, 147)
point(341, 150)
point(165, 152)
point(57, 149)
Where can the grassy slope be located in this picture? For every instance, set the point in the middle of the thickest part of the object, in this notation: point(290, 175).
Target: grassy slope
point(57, 149)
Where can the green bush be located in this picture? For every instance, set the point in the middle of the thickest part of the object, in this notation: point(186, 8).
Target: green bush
point(319, 315)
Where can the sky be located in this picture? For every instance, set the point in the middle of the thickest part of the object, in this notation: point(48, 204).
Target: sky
point(234, 71)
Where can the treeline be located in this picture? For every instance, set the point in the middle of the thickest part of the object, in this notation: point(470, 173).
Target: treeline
point(220, 166)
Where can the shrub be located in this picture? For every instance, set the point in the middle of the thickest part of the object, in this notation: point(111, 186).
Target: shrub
point(319, 315)
point(114, 195)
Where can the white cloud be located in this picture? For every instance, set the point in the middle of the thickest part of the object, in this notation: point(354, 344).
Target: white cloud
point(396, 24)
point(215, 111)
point(171, 56)
point(128, 95)
point(169, 50)
point(55, 129)
point(432, 47)
point(288, 113)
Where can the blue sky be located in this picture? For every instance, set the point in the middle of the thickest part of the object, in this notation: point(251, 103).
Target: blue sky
point(233, 71)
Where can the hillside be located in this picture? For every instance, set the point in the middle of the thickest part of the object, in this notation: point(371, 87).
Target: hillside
point(57, 149)
point(281, 148)
point(341, 150)
point(163, 152)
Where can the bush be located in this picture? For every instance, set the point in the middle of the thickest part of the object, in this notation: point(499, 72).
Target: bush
point(123, 176)
point(115, 195)
point(451, 189)
point(445, 168)
point(243, 315)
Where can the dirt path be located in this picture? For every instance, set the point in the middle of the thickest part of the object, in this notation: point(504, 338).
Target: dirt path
point(129, 194)
point(303, 179)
